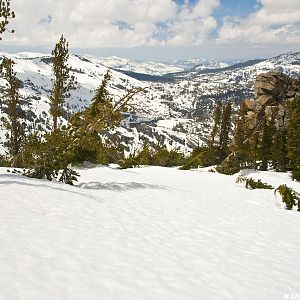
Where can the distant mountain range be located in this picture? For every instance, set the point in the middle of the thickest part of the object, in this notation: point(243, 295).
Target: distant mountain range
point(158, 68)
point(175, 109)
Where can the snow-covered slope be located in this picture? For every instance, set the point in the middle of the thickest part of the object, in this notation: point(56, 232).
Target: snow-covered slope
point(175, 110)
point(147, 233)
point(158, 68)
point(202, 88)
point(151, 68)
point(197, 64)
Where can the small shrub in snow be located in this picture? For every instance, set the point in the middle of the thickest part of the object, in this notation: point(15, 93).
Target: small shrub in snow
point(4, 161)
point(158, 156)
point(202, 157)
point(289, 196)
point(229, 166)
point(253, 184)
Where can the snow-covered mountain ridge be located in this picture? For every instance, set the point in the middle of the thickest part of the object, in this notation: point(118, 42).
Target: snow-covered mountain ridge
point(175, 112)
point(157, 68)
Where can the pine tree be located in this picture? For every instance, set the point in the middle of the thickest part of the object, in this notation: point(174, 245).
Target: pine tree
point(217, 115)
point(241, 147)
point(253, 150)
point(15, 114)
point(267, 135)
point(90, 127)
point(279, 151)
point(48, 156)
point(6, 14)
point(63, 82)
point(225, 130)
point(293, 144)
point(102, 113)
point(146, 155)
point(101, 116)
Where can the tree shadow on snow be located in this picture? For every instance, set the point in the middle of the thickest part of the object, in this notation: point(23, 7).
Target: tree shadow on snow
point(36, 183)
point(120, 186)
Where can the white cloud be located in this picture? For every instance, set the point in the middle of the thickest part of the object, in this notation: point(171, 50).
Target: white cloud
point(111, 23)
point(139, 23)
point(276, 21)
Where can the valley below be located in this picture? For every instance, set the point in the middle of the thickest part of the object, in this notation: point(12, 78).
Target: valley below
point(175, 109)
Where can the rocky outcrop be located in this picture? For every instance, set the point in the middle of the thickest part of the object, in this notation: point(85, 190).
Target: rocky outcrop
point(272, 92)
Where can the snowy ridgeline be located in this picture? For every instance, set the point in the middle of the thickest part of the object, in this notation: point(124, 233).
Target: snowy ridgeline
point(175, 112)
point(147, 233)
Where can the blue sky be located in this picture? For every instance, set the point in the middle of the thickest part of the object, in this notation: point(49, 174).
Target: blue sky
point(230, 7)
point(158, 29)
point(235, 8)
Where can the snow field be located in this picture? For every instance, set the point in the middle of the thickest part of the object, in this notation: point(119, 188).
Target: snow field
point(146, 233)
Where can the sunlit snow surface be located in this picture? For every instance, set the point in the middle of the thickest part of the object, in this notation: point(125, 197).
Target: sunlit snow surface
point(146, 233)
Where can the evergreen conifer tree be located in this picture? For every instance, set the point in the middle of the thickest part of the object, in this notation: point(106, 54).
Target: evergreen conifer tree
point(241, 146)
point(101, 116)
point(254, 150)
point(90, 127)
point(267, 135)
point(225, 130)
point(6, 14)
point(217, 115)
point(49, 156)
point(15, 114)
point(63, 81)
point(293, 143)
point(102, 113)
point(279, 151)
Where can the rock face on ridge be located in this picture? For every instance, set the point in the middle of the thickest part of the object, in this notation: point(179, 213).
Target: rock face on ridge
point(272, 91)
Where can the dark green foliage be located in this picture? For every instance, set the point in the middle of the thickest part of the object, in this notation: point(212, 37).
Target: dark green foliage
point(265, 144)
point(241, 147)
point(218, 145)
point(129, 162)
point(45, 156)
point(254, 148)
point(158, 156)
point(217, 115)
point(49, 156)
point(293, 143)
point(289, 196)
point(279, 152)
point(63, 82)
point(202, 157)
point(87, 126)
point(225, 130)
point(102, 114)
point(90, 147)
point(110, 153)
point(6, 14)
point(4, 161)
point(167, 158)
point(217, 148)
point(14, 123)
point(278, 146)
point(86, 137)
point(253, 184)
point(68, 176)
point(86, 148)
point(146, 156)
point(229, 166)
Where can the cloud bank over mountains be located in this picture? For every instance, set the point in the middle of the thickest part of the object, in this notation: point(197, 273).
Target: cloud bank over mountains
point(143, 23)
